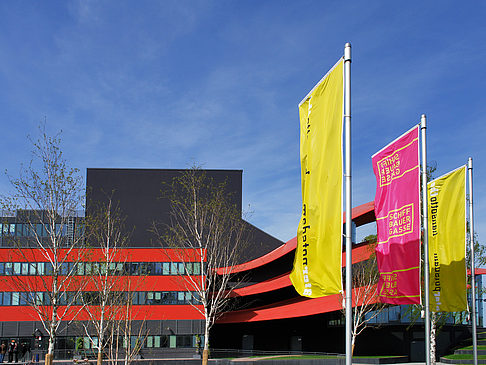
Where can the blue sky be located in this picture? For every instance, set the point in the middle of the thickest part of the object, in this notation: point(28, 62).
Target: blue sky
point(163, 84)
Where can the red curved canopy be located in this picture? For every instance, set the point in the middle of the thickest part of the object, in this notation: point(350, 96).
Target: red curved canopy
point(361, 214)
point(291, 308)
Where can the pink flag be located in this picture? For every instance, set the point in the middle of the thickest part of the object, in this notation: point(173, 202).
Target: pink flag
point(397, 211)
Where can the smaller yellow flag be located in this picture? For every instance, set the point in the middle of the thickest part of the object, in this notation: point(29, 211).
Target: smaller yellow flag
point(447, 242)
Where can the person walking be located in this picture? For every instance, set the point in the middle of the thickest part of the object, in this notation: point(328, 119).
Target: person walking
point(13, 351)
point(3, 351)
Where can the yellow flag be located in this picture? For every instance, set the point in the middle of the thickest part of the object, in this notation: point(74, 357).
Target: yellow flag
point(447, 241)
point(317, 262)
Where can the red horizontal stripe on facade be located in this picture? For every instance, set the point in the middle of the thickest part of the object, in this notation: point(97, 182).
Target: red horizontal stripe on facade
point(139, 312)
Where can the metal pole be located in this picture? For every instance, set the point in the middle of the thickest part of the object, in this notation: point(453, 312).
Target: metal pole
point(347, 174)
point(423, 127)
point(473, 268)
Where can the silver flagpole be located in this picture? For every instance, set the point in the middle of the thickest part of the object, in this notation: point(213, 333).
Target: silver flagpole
point(423, 127)
point(347, 174)
point(473, 268)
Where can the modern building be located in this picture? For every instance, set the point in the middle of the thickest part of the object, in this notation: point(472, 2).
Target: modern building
point(272, 316)
point(275, 318)
point(160, 302)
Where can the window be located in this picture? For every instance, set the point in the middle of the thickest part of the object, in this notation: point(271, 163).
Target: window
point(60, 229)
point(79, 230)
point(158, 268)
point(165, 268)
point(189, 268)
point(173, 268)
point(23, 298)
point(158, 298)
point(16, 268)
point(197, 268)
point(149, 268)
point(63, 269)
point(25, 268)
point(150, 297)
point(6, 298)
point(39, 229)
point(40, 268)
point(184, 341)
point(39, 298)
point(172, 297)
point(133, 341)
point(15, 298)
point(2, 268)
point(18, 230)
point(28, 231)
point(180, 297)
point(134, 268)
point(141, 298)
point(150, 341)
point(8, 268)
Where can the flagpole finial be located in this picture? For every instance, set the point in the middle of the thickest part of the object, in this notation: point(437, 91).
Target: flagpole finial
point(423, 121)
point(347, 52)
point(469, 162)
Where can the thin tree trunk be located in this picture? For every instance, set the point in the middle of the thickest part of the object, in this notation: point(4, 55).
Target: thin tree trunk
point(48, 359)
point(433, 333)
point(205, 357)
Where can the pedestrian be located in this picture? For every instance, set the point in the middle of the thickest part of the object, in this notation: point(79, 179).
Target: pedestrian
point(13, 351)
point(24, 349)
point(3, 351)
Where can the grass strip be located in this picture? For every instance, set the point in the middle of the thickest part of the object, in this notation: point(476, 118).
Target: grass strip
point(290, 357)
point(462, 357)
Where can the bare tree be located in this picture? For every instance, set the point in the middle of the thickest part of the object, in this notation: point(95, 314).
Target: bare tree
point(46, 195)
point(126, 337)
point(105, 300)
point(366, 306)
point(207, 232)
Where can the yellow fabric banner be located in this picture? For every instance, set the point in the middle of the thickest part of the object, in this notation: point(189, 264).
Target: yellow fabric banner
point(317, 262)
point(447, 241)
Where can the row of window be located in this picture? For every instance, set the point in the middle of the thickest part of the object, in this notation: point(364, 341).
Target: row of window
point(137, 298)
point(37, 229)
point(171, 341)
point(397, 314)
point(82, 344)
point(95, 268)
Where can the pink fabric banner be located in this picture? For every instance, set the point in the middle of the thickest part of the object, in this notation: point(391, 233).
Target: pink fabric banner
point(397, 211)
